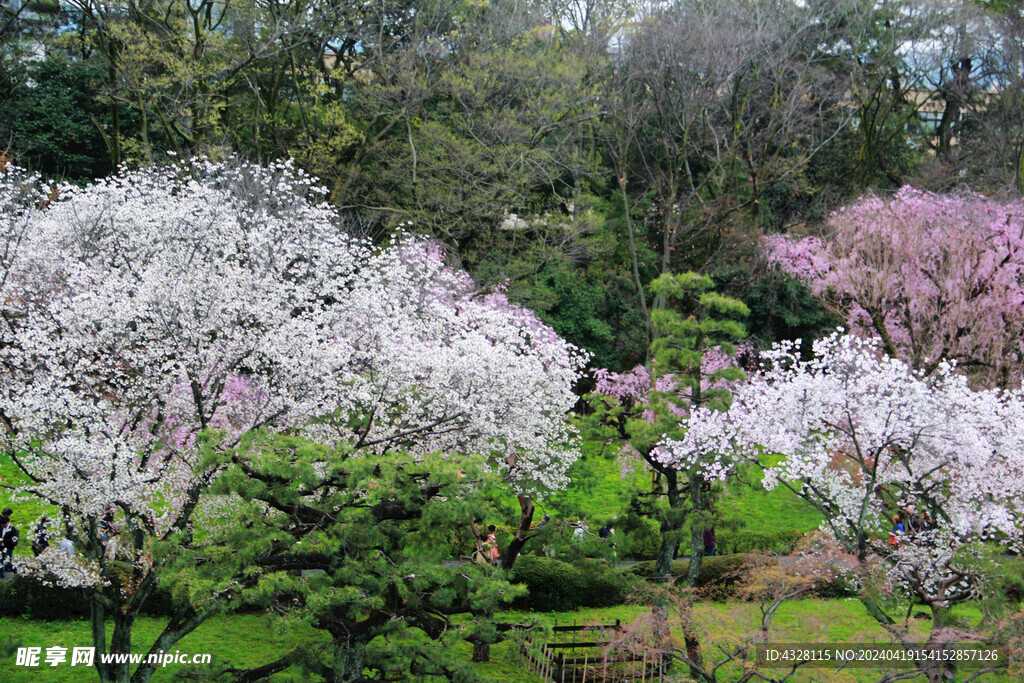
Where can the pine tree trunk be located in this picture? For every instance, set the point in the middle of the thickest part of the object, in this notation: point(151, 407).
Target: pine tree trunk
point(481, 652)
point(349, 658)
point(698, 504)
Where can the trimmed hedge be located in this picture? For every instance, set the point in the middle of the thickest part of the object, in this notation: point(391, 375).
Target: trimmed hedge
point(27, 596)
point(742, 541)
point(556, 586)
point(718, 574)
point(642, 540)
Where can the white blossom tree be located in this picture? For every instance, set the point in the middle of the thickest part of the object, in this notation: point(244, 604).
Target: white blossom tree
point(165, 314)
point(863, 437)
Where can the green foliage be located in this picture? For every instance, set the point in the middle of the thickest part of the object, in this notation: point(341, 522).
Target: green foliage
point(465, 143)
point(720, 572)
point(598, 488)
point(366, 555)
point(51, 120)
point(720, 576)
point(642, 537)
point(783, 308)
point(698, 319)
point(27, 597)
point(237, 640)
point(589, 300)
point(553, 585)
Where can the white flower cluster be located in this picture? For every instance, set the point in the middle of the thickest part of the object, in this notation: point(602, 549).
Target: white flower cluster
point(153, 306)
point(866, 437)
point(431, 366)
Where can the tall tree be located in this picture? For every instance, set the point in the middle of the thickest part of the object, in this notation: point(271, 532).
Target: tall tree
point(992, 138)
point(692, 355)
point(472, 142)
point(140, 312)
point(711, 105)
point(155, 320)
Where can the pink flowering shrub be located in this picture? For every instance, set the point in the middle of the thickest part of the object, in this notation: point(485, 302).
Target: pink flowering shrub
point(625, 386)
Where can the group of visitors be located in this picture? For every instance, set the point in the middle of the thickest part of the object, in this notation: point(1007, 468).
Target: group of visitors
point(909, 524)
point(41, 537)
point(488, 552)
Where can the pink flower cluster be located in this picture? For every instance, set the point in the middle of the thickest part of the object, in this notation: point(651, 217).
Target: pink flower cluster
point(625, 386)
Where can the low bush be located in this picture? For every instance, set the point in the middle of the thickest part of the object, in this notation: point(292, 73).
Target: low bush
point(603, 585)
point(742, 541)
point(641, 537)
point(718, 574)
point(556, 586)
point(28, 596)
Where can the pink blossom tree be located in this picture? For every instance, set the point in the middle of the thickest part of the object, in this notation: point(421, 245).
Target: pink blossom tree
point(156, 319)
point(934, 276)
point(864, 437)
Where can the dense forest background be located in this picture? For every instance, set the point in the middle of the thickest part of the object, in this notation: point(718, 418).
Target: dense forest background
point(569, 151)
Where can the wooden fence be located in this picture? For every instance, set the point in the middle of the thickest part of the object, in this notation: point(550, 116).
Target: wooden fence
point(578, 653)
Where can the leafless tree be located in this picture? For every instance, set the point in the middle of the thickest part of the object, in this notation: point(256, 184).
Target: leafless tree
point(713, 104)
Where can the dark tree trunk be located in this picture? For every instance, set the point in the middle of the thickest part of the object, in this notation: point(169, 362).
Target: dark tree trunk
point(669, 542)
point(955, 95)
point(515, 546)
point(481, 652)
point(698, 502)
point(347, 661)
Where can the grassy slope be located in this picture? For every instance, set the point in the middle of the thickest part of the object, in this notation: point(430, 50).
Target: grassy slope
point(599, 490)
point(26, 509)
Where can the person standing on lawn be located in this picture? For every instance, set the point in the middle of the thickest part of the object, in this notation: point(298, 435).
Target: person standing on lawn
point(8, 542)
point(42, 539)
point(710, 543)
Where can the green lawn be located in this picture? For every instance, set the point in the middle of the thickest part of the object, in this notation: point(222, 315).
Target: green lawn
point(598, 490)
point(240, 640)
point(250, 639)
point(26, 509)
point(760, 510)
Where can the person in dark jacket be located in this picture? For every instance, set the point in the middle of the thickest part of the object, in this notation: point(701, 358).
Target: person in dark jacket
point(42, 539)
point(710, 544)
point(8, 542)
